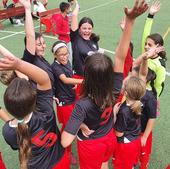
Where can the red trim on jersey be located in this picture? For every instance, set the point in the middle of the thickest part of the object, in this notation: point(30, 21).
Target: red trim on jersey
point(40, 140)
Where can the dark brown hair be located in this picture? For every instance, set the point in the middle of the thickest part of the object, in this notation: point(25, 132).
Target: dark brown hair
point(20, 99)
point(64, 6)
point(98, 80)
point(157, 38)
point(93, 37)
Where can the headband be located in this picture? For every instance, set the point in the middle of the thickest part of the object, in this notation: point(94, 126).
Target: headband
point(57, 46)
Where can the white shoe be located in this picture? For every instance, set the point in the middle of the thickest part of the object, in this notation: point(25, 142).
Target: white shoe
point(18, 23)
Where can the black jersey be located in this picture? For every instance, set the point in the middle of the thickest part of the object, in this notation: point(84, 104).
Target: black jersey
point(39, 62)
point(86, 111)
point(64, 92)
point(128, 123)
point(45, 137)
point(81, 49)
point(149, 108)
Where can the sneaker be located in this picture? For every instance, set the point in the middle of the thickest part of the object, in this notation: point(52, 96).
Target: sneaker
point(18, 23)
point(73, 159)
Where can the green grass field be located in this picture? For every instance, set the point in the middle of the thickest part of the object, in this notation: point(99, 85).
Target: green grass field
point(106, 15)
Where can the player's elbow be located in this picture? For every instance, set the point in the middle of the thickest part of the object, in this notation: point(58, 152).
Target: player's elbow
point(66, 139)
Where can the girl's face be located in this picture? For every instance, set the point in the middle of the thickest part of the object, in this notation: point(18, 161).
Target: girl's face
point(62, 55)
point(149, 44)
point(86, 31)
point(40, 46)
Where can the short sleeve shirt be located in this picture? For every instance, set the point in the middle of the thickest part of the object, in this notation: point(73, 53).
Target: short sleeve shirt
point(39, 62)
point(45, 137)
point(149, 102)
point(81, 49)
point(127, 123)
point(64, 92)
point(86, 111)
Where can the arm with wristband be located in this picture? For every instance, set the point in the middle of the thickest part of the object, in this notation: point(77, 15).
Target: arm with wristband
point(155, 7)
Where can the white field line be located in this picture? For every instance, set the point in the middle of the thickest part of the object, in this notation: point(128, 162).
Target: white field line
point(52, 37)
point(15, 33)
point(98, 6)
point(112, 52)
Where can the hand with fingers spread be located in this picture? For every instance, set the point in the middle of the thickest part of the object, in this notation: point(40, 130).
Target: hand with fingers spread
point(138, 9)
point(152, 52)
point(122, 24)
point(155, 7)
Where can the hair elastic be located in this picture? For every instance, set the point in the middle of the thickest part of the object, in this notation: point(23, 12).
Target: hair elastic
point(20, 121)
point(57, 46)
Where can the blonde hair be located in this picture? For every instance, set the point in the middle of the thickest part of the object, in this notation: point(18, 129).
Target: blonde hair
point(6, 76)
point(135, 89)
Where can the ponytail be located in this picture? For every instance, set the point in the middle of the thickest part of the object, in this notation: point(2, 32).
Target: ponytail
point(94, 37)
point(137, 107)
point(24, 142)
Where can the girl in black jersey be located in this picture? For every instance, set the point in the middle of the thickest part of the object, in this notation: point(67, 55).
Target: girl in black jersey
point(128, 123)
point(84, 41)
point(128, 126)
point(149, 102)
point(101, 87)
point(64, 86)
point(33, 130)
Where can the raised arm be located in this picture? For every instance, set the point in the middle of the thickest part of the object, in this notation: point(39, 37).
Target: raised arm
point(142, 60)
point(155, 7)
point(29, 27)
point(10, 62)
point(151, 53)
point(74, 20)
point(131, 14)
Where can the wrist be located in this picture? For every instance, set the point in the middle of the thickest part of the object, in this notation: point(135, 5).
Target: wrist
point(150, 15)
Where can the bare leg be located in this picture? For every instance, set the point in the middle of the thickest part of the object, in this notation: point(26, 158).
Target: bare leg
point(105, 165)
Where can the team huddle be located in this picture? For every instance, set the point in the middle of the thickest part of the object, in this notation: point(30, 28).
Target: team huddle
point(109, 108)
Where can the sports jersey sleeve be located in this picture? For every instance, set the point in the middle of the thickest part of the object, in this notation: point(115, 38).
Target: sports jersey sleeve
point(147, 30)
point(57, 71)
point(76, 119)
point(73, 35)
point(117, 84)
point(121, 121)
point(28, 57)
point(9, 135)
point(152, 107)
point(44, 102)
point(159, 81)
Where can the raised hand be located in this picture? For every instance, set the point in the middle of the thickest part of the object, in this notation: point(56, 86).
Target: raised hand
point(152, 52)
point(138, 9)
point(155, 7)
point(122, 24)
